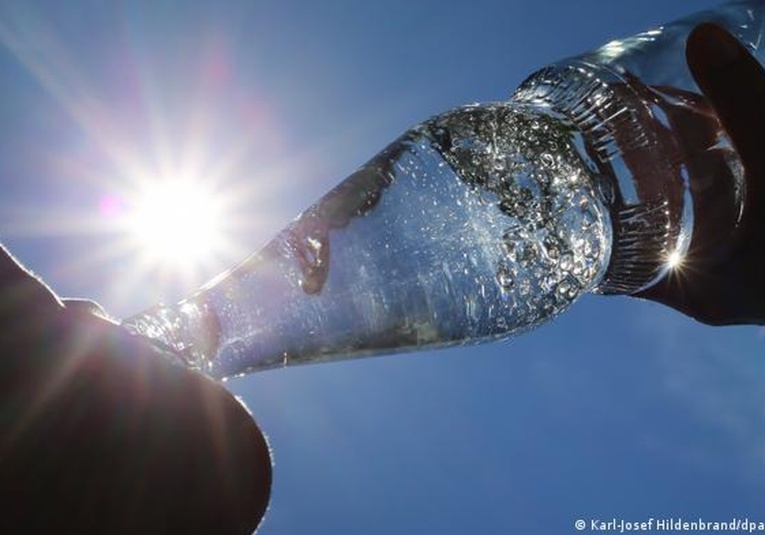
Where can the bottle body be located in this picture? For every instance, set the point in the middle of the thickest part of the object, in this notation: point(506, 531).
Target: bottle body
point(478, 224)
point(488, 220)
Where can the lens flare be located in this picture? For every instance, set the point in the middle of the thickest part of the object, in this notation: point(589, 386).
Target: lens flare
point(176, 222)
point(675, 260)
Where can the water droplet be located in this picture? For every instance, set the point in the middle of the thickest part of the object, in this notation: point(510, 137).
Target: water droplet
point(505, 277)
point(552, 247)
point(591, 248)
point(589, 217)
point(511, 250)
point(527, 254)
point(310, 245)
point(547, 304)
point(569, 287)
point(487, 197)
point(524, 287)
point(547, 159)
point(510, 244)
point(566, 262)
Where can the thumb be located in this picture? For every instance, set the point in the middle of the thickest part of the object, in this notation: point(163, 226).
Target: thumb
point(22, 294)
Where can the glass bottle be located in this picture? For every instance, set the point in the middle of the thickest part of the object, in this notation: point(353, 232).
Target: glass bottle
point(487, 220)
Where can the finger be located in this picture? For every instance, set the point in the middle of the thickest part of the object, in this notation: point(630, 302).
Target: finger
point(734, 82)
point(23, 296)
point(85, 307)
point(103, 435)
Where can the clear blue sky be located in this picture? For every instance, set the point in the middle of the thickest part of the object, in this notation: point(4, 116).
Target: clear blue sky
point(618, 409)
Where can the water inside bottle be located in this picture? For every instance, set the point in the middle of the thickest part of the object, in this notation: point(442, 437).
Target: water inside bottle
point(481, 223)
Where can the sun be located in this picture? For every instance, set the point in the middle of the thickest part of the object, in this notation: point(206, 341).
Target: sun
point(176, 223)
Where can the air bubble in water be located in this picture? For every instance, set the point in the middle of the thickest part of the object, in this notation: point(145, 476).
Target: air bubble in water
point(566, 262)
point(505, 277)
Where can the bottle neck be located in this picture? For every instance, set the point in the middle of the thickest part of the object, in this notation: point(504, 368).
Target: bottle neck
point(657, 144)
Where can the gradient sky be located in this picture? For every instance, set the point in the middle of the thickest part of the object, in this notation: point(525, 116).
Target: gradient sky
point(618, 409)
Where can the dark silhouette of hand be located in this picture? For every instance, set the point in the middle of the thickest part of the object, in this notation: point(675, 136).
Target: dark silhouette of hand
point(730, 288)
point(99, 433)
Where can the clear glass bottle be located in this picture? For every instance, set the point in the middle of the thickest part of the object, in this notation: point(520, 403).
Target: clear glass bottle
point(487, 220)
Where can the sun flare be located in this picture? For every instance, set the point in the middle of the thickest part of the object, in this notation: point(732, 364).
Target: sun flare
point(675, 260)
point(176, 223)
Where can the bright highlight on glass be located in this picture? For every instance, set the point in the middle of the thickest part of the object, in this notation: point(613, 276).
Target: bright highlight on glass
point(675, 260)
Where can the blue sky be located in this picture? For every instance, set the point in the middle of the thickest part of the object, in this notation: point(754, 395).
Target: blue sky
point(618, 409)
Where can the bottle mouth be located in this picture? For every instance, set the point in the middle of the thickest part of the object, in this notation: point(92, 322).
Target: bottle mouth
point(627, 136)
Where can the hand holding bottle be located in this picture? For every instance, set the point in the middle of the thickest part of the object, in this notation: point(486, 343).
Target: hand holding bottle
point(729, 289)
point(100, 433)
